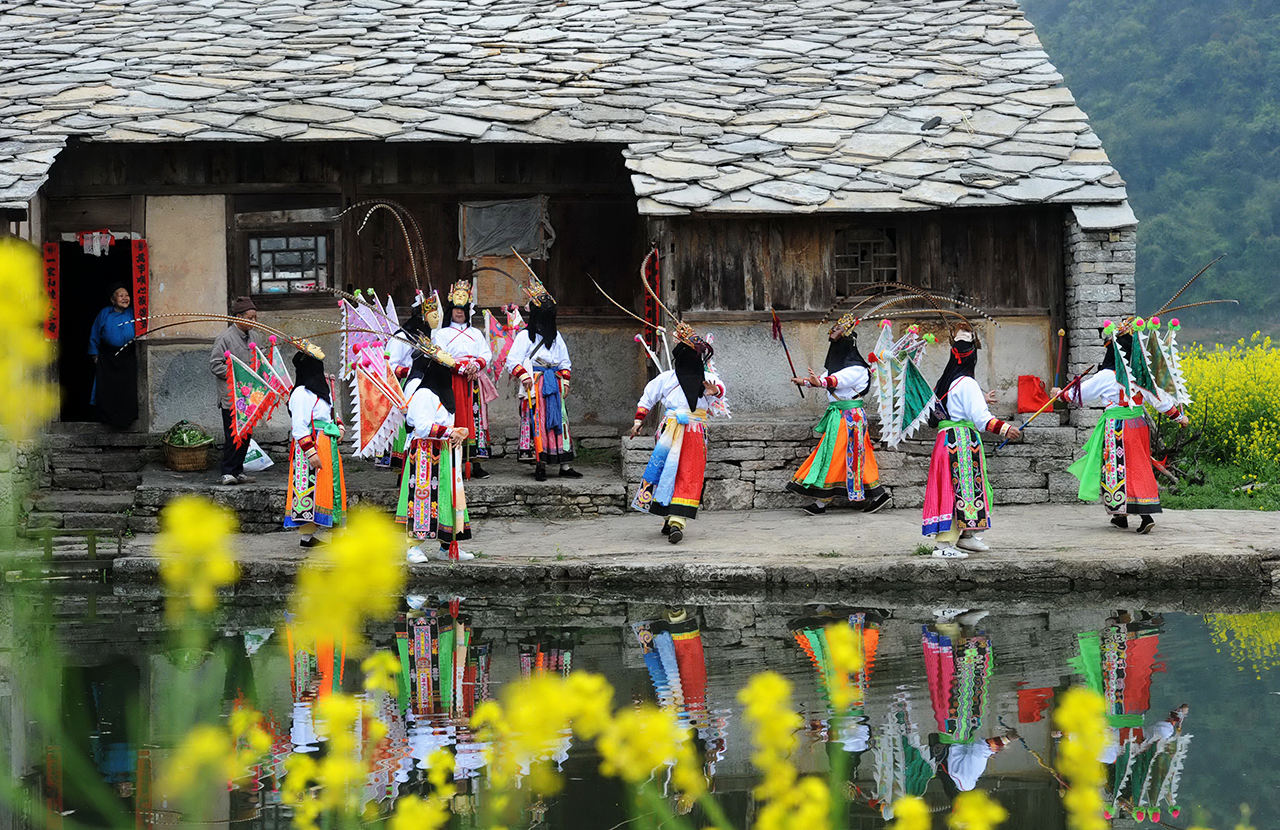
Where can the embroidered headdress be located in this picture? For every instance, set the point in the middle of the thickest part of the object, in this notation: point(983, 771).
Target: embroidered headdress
point(460, 293)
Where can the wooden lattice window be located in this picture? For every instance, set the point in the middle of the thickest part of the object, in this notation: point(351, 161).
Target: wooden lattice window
point(289, 264)
point(864, 256)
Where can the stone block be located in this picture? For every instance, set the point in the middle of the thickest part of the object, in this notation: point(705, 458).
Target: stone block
point(1020, 495)
point(77, 480)
point(1097, 293)
point(728, 495)
point(777, 499)
point(745, 432)
point(1063, 487)
point(751, 453)
point(721, 470)
point(1020, 481)
point(121, 481)
point(731, 617)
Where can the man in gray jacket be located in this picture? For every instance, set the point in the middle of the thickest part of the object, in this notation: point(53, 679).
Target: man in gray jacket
point(236, 340)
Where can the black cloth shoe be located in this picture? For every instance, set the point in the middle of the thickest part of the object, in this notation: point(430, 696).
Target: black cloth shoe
point(877, 502)
point(666, 528)
point(1144, 527)
point(540, 472)
point(314, 541)
point(477, 471)
point(1121, 522)
point(569, 473)
point(675, 535)
point(814, 509)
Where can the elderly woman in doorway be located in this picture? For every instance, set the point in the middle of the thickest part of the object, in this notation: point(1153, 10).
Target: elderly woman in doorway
point(115, 358)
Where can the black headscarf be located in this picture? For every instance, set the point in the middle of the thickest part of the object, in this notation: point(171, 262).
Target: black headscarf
point(446, 309)
point(690, 372)
point(434, 376)
point(415, 324)
point(542, 324)
point(309, 372)
point(962, 362)
point(1109, 359)
point(843, 353)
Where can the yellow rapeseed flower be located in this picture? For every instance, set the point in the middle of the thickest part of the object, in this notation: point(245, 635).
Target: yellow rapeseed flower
point(359, 575)
point(975, 810)
point(201, 759)
point(194, 547)
point(1080, 716)
point(640, 741)
point(788, 801)
point(380, 672)
point(27, 398)
point(1253, 640)
point(910, 813)
point(844, 648)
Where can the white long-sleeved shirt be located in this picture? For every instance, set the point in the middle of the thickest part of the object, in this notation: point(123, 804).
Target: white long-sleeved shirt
point(665, 389)
point(427, 417)
point(554, 355)
point(965, 402)
point(845, 384)
point(465, 343)
point(399, 354)
point(1102, 387)
point(967, 762)
point(305, 408)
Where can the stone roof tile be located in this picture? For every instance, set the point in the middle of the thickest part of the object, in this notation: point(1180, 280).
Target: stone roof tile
point(722, 105)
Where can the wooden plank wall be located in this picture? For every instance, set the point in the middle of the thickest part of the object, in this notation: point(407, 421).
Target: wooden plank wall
point(592, 205)
point(1006, 259)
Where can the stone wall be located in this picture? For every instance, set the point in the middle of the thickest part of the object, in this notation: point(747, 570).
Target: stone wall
point(1099, 286)
point(749, 464)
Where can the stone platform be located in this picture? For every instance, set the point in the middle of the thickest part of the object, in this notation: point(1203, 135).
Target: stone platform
point(1040, 553)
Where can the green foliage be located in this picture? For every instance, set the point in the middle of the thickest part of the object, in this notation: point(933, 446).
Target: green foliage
point(186, 434)
point(1220, 491)
point(1185, 96)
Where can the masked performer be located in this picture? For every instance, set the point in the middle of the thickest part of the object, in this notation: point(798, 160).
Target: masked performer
point(432, 503)
point(317, 494)
point(672, 482)
point(1116, 463)
point(843, 463)
point(539, 360)
point(957, 497)
point(470, 350)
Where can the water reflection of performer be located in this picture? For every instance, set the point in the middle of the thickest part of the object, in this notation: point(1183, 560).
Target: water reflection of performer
point(1144, 764)
point(958, 663)
point(677, 665)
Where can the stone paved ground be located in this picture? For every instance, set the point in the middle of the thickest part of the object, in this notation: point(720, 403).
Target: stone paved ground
point(1042, 549)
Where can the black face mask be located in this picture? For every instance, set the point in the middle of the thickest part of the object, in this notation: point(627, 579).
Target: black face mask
point(843, 353)
point(690, 372)
point(962, 362)
point(436, 377)
point(1126, 346)
point(309, 373)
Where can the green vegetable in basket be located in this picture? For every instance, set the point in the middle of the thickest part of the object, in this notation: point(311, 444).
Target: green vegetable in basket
point(186, 434)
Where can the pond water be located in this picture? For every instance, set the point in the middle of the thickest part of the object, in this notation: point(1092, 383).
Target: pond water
point(940, 684)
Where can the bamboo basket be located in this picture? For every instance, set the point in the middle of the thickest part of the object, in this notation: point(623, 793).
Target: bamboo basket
point(187, 459)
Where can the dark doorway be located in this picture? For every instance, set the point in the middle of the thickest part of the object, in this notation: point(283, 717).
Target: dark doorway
point(85, 283)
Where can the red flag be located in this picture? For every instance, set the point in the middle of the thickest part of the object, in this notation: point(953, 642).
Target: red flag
point(1031, 393)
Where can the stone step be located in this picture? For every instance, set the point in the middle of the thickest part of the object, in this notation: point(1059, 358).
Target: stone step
point(82, 501)
point(509, 492)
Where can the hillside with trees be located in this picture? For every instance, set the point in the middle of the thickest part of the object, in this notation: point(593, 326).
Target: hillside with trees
point(1186, 98)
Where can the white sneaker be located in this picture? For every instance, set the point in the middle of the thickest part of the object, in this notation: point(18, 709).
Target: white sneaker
point(463, 556)
point(228, 481)
point(947, 614)
point(949, 553)
point(972, 618)
point(973, 543)
point(415, 556)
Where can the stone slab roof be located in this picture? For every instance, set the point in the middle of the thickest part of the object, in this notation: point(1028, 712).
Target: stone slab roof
point(724, 106)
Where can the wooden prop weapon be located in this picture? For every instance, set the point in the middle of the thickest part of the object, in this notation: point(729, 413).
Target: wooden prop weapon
point(777, 335)
point(1049, 403)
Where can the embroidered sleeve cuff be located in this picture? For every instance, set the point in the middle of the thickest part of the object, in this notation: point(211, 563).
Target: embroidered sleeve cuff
point(641, 412)
point(402, 371)
point(1174, 413)
point(307, 443)
point(998, 427)
point(829, 381)
point(563, 374)
point(518, 371)
point(437, 431)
